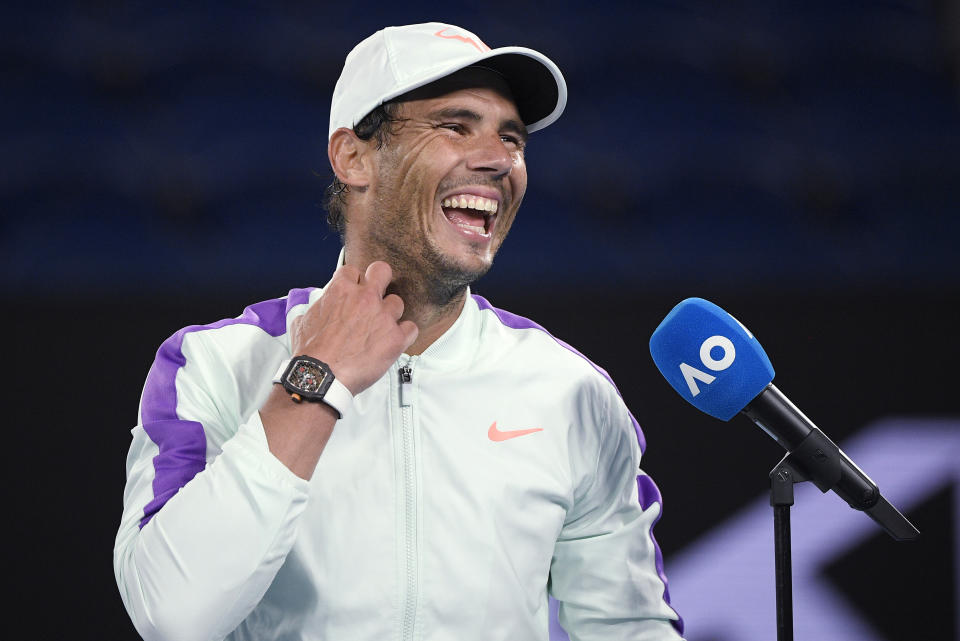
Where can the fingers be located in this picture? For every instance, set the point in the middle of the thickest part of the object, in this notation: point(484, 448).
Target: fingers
point(347, 273)
point(410, 333)
point(355, 327)
point(378, 275)
point(393, 305)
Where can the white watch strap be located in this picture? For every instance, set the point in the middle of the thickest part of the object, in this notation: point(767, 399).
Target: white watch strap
point(283, 367)
point(337, 396)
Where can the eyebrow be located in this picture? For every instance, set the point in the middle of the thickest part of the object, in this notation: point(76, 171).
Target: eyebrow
point(458, 113)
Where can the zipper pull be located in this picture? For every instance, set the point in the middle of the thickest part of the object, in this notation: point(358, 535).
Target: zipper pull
point(406, 385)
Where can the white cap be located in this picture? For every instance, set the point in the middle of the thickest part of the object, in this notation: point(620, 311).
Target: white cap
point(396, 60)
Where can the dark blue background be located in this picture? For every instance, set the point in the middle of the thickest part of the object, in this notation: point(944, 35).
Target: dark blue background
point(177, 149)
point(794, 162)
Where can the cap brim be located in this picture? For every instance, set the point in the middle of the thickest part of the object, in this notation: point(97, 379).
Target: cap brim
point(538, 86)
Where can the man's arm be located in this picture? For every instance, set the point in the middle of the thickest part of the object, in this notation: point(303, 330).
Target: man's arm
point(607, 571)
point(193, 565)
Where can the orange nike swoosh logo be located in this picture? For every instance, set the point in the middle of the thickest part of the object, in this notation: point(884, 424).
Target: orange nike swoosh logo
point(480, 47)
point(499, 435)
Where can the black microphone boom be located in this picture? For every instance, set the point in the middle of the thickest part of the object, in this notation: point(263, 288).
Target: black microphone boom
point(823, 462)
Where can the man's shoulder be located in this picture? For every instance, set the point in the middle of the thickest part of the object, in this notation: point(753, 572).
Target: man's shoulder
point(536, 346)
point(546, 362)
point(268, 316)
point(264, 321)
point(226, 363)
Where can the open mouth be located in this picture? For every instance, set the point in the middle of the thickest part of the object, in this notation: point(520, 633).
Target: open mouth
point(471, 214)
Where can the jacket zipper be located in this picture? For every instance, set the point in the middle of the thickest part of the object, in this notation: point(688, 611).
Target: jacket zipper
point(410, 499)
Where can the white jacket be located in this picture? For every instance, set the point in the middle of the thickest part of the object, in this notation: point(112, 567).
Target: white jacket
point(425, 518)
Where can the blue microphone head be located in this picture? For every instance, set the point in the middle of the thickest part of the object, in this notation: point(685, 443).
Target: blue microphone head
point(710, 358)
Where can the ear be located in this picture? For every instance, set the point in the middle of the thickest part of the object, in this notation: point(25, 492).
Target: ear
point(348, 158)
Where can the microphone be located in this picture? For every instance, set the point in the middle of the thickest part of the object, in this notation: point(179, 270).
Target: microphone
point(715, 363)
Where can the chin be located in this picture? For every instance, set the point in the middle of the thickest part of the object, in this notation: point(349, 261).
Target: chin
point(451, 272)
point(476, 263)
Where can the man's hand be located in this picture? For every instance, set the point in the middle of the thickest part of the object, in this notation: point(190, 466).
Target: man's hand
point(354, 328)
point(357, 331)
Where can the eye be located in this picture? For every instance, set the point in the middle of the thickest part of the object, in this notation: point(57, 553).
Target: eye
point(512, 140)
point(455, 127)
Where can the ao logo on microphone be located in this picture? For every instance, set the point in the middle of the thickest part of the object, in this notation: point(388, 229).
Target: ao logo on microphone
point(691, 374)
point(680, 337)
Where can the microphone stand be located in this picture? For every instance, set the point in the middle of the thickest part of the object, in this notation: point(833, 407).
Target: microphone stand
point(817, 459)
point(782, 479)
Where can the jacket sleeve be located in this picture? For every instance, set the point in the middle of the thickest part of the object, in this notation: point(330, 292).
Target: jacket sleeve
point(607, 570)
point(209, 514)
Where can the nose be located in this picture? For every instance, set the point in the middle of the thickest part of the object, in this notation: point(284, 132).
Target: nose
point(490, 155)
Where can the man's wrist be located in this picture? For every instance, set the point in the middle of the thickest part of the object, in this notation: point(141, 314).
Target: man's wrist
point(331, 391)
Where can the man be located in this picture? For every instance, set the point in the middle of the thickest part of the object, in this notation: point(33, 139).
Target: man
point(389, 456)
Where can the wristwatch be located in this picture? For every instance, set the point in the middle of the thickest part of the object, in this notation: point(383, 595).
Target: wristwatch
point(309, 379)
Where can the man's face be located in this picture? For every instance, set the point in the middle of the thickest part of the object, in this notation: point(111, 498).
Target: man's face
point(448, 183)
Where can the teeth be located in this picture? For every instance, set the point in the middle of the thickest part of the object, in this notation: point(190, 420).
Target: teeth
point(476, 230)
point(471, 202)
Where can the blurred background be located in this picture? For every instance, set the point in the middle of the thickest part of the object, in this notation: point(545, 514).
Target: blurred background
point(794, 162)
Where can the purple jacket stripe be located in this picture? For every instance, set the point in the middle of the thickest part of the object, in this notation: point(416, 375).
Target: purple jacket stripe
point(647, 490)
point(182, 443)
point(649, 494)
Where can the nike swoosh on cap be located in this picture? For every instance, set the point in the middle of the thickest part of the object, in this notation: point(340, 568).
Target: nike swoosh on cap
point(502, 435)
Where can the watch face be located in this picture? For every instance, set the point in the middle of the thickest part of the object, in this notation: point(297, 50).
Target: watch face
point(307, 376)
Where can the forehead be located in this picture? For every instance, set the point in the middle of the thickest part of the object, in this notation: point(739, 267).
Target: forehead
point(476, 81)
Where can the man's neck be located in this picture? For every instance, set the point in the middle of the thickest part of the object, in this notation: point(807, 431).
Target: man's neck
point(432, 318)
point(432, 310)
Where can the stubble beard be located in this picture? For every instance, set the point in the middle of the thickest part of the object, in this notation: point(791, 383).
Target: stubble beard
point(448, 280)
point(424, 277)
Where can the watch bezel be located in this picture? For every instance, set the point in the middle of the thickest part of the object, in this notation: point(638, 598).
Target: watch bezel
point(307, 395)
